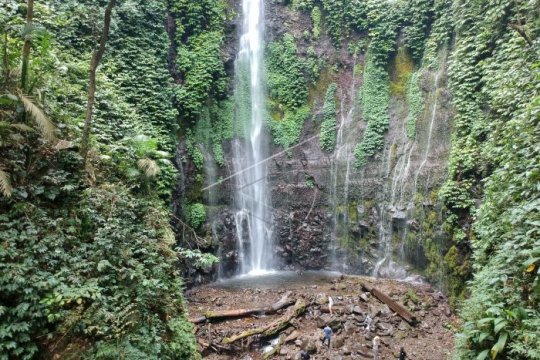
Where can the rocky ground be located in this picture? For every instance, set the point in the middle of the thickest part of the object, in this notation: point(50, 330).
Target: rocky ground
point(430, 339)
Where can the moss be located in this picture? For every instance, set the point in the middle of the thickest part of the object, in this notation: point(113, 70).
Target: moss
point(358, 69)
point(318, 90)
point(411, 295)
point(353, 212)
point(402, 68)
point(418, 198)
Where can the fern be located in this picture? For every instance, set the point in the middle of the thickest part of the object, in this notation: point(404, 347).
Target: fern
point(44, 124)
point(149, 167)
point(5, 185)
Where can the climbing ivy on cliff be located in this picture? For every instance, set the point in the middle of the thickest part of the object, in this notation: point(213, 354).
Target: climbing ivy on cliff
point(494, 80)
point(198, 35)
point(287, 90)
point(327, 136)
point(286, 82)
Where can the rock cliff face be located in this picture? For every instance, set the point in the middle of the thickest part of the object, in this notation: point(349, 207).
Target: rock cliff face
point(382, 218)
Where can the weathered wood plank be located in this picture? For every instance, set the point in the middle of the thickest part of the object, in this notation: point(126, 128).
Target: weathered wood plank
point(394, 306)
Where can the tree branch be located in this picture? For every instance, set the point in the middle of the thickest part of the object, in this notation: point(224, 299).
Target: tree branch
point(96, 59)
point(521, 31)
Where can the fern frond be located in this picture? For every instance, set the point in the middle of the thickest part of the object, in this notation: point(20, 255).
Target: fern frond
point(44, 124)
point(149, 166)
point(5, 185)
point(21, 127)
point(63, 144)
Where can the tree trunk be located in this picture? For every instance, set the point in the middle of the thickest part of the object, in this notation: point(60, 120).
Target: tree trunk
point(27, 45)
point(272, 328)
point(96, 59)
point(5, 61)
point(394, 306)
point(284, 302)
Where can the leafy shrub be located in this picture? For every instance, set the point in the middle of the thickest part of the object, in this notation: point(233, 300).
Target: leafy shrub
point(287, 131)
point(196, 215)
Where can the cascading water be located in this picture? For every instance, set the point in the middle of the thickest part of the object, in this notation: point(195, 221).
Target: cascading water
point(252, 219)
point(342, 158)
point(397, 208)
point(430, 133)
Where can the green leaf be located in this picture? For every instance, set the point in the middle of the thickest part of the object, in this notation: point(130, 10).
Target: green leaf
point(499, 346)
point(499, 325)
point(103, 264)
point(483, 336)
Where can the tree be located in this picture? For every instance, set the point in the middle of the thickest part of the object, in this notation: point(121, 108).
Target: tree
point(96, 59)
point(27, 44)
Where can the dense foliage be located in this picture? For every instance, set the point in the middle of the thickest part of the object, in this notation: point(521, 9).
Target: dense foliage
point(86, 256)
point(494, 80)
point(286, 82)
point(287, 90)
point(89, 264)
point(375, 100)
point(198, 67)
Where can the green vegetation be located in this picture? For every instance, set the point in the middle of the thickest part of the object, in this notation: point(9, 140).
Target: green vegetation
point(198, 38)
point(90, 266)
point(494, 79)
point(287, 131)
point(286, 82)
point(316, 18)
point(375, 100)
point(401, 73)
point(382, 30)
point(327, 136)
point(343, 17)
point(418, 15)
point(86, 253)
point(288, 91)
point(196, 215)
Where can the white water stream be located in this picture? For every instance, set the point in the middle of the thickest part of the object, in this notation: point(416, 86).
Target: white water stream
point(343, 156)
point(385, 266)
point(252, 218)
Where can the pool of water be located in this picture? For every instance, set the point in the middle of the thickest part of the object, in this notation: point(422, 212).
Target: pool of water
point(277, 279)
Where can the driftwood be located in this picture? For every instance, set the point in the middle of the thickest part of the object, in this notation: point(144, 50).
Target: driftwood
point(211, 346)
point(394, 306)
point(284, 302)
point(274, 327)
point(198, 320)
point(335, 310)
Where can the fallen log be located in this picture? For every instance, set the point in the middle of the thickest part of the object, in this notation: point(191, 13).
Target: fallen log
point(198, 320)
point(284, 302)
point(213, 346)
point(272, 328)
point(394, 306)
point(335, 310)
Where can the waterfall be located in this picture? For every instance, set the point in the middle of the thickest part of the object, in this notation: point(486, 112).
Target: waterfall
point(254, 247)
point(396, 208)
point(430, 132)
point(343, 156)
